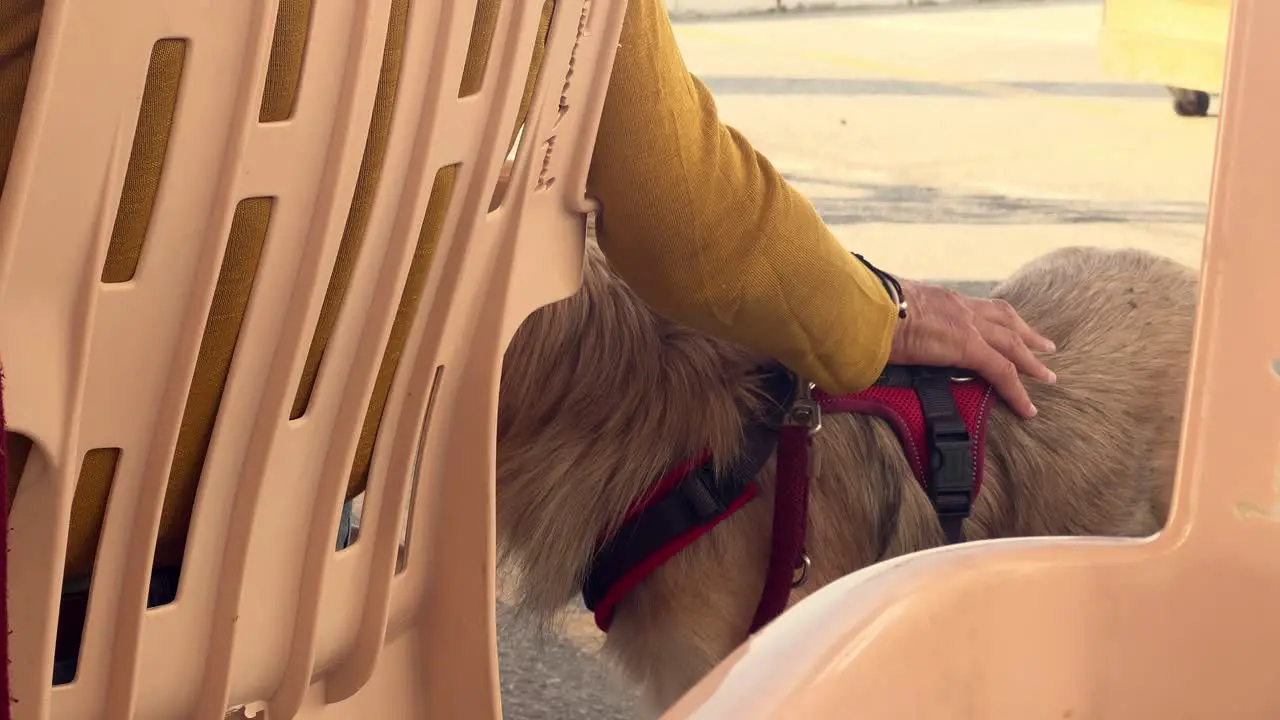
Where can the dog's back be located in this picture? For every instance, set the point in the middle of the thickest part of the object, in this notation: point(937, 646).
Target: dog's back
point(1097, 460)
point(1100, 457)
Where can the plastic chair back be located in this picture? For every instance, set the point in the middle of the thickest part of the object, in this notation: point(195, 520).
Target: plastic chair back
point(104, 327)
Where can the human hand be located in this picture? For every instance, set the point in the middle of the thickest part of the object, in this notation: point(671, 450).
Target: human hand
point(946, 329)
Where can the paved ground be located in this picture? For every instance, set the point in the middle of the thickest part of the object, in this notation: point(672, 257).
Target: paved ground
point(950, 144)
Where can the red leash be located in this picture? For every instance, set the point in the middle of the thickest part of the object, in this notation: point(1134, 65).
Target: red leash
point(788, 563)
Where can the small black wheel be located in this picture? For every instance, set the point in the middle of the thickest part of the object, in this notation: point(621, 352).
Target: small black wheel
point(1190, 103)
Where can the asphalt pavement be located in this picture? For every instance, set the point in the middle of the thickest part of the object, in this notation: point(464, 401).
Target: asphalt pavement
point(557, 679)
point(950, 144)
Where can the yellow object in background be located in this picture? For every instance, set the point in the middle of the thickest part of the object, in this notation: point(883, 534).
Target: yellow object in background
point(1181, 44)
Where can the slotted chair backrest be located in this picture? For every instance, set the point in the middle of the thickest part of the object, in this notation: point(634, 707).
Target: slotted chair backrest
point(162, 295)
point(1182, 625)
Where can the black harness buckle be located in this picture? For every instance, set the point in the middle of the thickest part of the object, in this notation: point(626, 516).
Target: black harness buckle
point(701, 495)
point(950, 474)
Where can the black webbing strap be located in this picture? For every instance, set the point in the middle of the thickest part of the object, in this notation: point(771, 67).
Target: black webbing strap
point(949, 471)
point(905, 376)
point(699, 498)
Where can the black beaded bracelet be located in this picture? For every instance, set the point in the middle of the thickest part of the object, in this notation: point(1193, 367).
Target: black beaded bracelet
point(890, 283)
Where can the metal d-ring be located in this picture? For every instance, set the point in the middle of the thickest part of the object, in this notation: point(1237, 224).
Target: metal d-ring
point(801, 572)
point(805, 411)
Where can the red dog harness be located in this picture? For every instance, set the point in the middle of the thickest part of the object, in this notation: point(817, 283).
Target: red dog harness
point(939, 416)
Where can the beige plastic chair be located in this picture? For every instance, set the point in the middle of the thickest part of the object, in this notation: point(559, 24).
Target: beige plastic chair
point(267, 611)
point(1183, 625)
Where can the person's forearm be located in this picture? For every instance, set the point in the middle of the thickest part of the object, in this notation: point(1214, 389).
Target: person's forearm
point(710, 235)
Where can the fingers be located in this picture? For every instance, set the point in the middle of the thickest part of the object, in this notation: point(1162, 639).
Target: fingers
point(1000, 312)
point(1009, 341)
point(986, 336)
point(1011, 345)
point(1000, 371)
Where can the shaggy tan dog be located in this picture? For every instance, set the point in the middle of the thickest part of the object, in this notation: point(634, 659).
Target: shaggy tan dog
point(600, 397)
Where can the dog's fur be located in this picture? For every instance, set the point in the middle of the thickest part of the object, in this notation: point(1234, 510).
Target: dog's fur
point(600, 397)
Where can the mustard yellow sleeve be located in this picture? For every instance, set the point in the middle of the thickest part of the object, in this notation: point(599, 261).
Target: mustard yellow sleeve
point(19, 21)
point(708, 233)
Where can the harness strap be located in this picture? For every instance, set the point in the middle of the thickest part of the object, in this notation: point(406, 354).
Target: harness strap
point(951, 477)
point(938, 414)
point(689, 501)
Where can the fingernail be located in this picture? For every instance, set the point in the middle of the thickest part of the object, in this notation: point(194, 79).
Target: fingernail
point(1053, 377)
point(1049, 346)
point(1034, 411)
